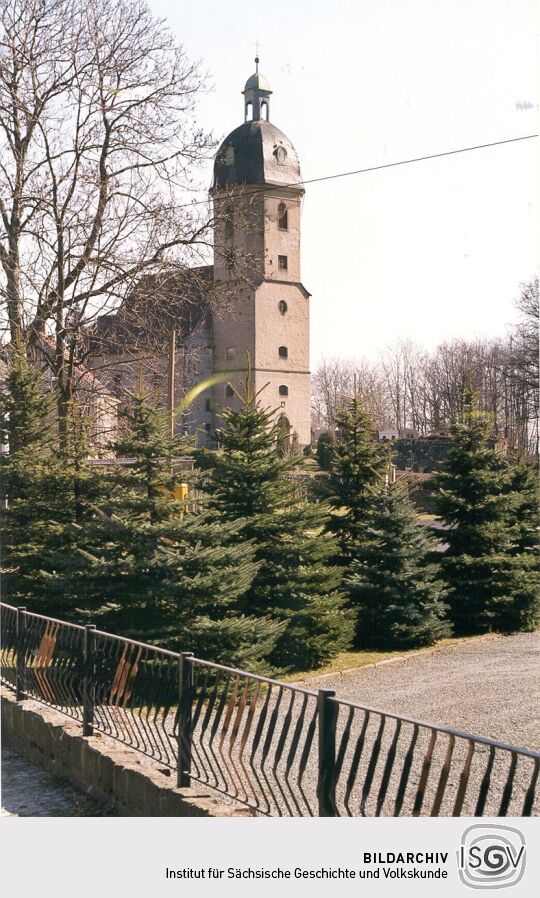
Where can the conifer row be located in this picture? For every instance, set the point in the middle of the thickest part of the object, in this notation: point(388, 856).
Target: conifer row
point(258, 576)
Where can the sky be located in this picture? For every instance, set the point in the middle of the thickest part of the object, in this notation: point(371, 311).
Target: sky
point(427, 251)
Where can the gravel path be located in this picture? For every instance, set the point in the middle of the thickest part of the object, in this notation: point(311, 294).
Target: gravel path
point(28, 791)
point(488, 687)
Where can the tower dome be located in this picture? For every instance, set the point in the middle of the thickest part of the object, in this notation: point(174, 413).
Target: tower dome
point(257, 152)
point(257, 81)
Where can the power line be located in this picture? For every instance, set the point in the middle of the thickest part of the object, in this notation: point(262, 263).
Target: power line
point(362, 171)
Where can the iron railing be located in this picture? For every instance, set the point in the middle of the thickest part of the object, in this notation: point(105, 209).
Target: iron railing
point(279, 749)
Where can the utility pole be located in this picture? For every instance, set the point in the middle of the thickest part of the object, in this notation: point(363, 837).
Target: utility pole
point(170, 383)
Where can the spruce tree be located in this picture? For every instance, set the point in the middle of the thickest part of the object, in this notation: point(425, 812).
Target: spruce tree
point(391, 581)
point(48, 492)
point(149, 569)
point(523, 482)
point(36, 493)
point(325, 445)
point(489, 566)
point(24, 408)
point(358, 468)
point(295, 583)
point(517, 606)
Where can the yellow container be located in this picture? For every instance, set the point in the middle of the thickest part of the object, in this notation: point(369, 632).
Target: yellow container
point(180, 491)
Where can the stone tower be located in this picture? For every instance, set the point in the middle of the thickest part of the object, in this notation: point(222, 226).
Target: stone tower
point(257, 193)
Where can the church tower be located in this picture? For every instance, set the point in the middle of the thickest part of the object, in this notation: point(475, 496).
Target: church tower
point(257, 194)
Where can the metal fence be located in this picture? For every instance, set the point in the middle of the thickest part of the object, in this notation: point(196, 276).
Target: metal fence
point(277, 748)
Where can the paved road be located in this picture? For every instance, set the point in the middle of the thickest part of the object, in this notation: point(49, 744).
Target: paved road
point(28, 791)
point(489, 687)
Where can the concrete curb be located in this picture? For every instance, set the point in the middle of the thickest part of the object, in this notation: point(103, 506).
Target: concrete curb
point(106, 770)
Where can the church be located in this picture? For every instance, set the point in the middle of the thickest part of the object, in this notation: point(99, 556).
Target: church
point(249, 304)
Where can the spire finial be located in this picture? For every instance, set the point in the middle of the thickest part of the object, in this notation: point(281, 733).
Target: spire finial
point(257, 56)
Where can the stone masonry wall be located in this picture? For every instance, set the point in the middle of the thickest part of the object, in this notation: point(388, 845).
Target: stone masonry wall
point(102, 767)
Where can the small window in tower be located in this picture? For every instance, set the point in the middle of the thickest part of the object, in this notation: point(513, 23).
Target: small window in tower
point(282, 263)
point(283, 390)
point(208, 404)
point(229, 390)
point(283, 223)
point(283, 352)
point(281, 155)
point(230, 354)
point(282, 306)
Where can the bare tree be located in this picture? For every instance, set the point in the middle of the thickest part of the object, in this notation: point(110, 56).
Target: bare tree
point(525, 342)
point(337, 379)
point(424, 391)
point(522, 369)
point(98, 144)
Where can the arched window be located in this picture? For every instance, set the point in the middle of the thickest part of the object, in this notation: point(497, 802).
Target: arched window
point(283, 352)
point(283, 390)
point(229, 390)
point(282, 306)
point(264, 109)
point(249, 112)
point(283, 435)
point(283, 223)
point(230, 353)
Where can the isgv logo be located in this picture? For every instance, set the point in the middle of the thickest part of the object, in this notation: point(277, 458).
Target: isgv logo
point(491, 856)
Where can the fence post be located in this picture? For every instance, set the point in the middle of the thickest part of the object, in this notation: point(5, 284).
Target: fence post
point(89, 680)
point(327, 711)
point(20, 665)
point(185, 700)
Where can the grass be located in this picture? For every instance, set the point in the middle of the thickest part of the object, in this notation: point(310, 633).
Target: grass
point(346, 661)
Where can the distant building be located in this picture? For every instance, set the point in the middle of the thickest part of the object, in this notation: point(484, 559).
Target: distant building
point(407, 433)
